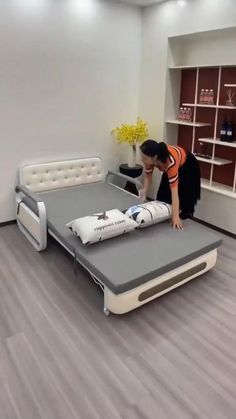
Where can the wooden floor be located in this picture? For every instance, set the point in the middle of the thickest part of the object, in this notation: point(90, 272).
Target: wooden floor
point(61, 358)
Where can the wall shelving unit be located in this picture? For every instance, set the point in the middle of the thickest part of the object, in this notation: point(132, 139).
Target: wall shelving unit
point(195, 61)
point(219, 166)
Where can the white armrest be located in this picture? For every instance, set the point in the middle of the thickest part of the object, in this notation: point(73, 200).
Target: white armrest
point(136, 182)
point(27, 192)
point(40, 243)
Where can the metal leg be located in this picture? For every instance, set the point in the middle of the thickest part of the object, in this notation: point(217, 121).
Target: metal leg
point(106, 311)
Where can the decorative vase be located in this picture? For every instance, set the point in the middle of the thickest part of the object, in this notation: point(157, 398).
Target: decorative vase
point(230, 95)
point(132, 156)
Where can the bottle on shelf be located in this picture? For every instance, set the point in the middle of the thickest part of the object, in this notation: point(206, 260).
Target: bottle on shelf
point(184, 115)
point(203, 96)
point(230, 132)
point(189, 115)
point(206, 97)
point(211, 97)
point(181, 114)
point(201, 99)
point(223, 130)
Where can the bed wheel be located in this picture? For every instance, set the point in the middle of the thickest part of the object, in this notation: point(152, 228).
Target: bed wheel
point(106, 311)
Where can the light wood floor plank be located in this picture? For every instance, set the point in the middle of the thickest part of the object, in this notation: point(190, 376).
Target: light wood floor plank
point(61, 358)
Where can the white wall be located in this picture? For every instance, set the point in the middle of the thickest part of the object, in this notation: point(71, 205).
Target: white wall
point(167, 20)
point(212, 47)
point(69, 73)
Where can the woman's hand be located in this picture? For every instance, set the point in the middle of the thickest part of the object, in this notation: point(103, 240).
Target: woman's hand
point(176, 222)
point(143, 195)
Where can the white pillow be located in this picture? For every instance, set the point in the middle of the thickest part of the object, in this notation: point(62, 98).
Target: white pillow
point(98, 227)
point(149, 213)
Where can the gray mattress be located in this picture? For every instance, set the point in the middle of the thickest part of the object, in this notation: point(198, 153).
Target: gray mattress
point(128, 261)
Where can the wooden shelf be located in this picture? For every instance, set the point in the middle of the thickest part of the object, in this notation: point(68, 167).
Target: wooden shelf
point(199, 105)
point(189, 124)
point(216, 161)
point(230, 85)
point(218, 188)
point(226, 107)
point(217, 142)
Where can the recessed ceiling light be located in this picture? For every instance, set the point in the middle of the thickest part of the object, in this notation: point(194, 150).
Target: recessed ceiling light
point(31, 6)
point(182, 2)
point(83, 7)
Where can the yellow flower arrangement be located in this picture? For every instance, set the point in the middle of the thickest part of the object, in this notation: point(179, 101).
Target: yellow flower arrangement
point(131, 134)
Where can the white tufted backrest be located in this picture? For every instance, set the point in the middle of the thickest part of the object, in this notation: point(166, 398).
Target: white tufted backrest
point(61, 174)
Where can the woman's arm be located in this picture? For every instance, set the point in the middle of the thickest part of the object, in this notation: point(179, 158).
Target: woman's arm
point(146, 186)
point(176, 222)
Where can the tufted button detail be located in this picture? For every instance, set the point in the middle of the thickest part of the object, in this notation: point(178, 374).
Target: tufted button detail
point(62, 173)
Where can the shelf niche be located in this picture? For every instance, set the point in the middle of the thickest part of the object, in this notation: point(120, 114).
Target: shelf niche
point(192, 81)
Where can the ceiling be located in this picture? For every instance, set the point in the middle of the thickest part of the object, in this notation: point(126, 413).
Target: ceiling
point(142, 2)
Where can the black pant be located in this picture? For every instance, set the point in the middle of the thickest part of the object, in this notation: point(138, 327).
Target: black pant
point(189, 186)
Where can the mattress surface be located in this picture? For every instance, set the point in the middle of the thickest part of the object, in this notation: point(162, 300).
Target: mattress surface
point(127, 261)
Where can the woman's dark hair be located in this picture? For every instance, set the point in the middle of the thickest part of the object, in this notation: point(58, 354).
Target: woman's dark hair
point(153, 149)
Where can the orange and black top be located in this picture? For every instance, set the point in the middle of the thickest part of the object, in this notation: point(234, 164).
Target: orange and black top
point(177, 159)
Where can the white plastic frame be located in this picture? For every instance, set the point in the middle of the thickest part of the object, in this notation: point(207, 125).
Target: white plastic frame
point(127, 301)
